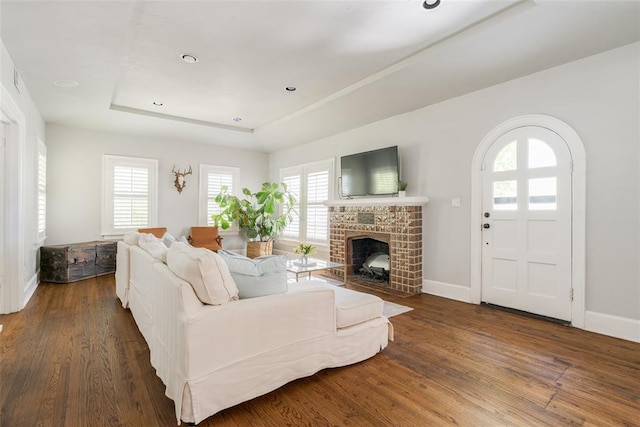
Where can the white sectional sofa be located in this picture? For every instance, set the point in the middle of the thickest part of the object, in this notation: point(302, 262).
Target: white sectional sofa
point(211, 357)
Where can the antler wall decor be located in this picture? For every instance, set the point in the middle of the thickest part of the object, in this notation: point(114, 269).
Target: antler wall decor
point(180, 183)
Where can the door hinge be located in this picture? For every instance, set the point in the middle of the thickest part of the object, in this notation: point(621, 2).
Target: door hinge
point(571, 166)
point(571, 294)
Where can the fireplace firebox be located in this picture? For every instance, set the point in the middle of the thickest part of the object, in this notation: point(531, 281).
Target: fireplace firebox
point(370, 260)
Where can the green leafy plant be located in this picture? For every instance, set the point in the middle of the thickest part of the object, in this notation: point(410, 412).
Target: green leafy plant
point(304, 249)
point(402, 185)
point(263, 214)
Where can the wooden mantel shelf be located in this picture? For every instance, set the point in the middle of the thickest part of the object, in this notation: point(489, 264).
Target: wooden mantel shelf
point(373, 201)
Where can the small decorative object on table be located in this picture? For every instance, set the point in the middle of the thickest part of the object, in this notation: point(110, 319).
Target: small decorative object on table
point(304, 249)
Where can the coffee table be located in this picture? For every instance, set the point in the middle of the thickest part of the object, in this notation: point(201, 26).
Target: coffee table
point(314, 264)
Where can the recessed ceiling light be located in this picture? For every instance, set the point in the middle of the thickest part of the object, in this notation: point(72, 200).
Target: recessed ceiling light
point(430, 4)
point(65, 83)
point(158, 104)
point(188, 58)
point(237, 119)
point(290, 88)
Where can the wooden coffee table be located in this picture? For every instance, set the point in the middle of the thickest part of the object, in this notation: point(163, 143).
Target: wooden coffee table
point(313, 265)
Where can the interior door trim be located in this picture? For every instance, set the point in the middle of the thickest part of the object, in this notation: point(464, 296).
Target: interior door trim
point(578, 221)
point(12, 295)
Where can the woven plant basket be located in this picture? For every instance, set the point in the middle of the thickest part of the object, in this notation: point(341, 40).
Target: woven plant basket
point(256, 249)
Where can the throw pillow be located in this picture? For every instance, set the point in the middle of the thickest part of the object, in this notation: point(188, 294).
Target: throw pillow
point(205, 270)
point(168, 239)
point(257, 277)
point(154, 246)
point(131, 238)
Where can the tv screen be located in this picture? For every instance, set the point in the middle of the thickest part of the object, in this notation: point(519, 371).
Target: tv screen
point(370, 173)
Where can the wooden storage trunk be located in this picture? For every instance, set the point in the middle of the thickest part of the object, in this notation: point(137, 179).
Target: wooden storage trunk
point(77, 261)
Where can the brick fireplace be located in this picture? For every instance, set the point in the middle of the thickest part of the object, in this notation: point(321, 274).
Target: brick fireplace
point(396, 223)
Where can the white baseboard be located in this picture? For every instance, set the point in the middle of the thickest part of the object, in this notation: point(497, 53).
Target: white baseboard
point(613, 326)
point(30, 289)
point(447, 290)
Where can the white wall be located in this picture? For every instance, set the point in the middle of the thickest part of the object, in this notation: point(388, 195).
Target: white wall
point(75, 179)
point(598, 96)
point(34, 129)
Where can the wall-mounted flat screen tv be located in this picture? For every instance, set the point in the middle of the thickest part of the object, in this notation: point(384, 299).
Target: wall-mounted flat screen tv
point(370, 173)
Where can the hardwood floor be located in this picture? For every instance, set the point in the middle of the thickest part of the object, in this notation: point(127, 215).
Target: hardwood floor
point(74, 357)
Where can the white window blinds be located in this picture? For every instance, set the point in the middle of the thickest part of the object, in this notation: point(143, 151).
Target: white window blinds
point(311, 184)
point(293, 185)
point(212, 179)
point(130, 197)
point(42, 191)
point(317, 213)
point(129, 194)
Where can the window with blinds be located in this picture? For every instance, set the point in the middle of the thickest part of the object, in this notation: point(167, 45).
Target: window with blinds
point(130, 194)
point(212, 179)
point(311, 184)
point(317, 212)
point(130, 197)
point(294, 183)
point(42, 192)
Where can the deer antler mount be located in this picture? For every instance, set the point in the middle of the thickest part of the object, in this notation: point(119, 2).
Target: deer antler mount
point(179, 182)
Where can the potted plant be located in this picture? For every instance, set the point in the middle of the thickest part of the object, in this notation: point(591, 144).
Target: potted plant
point(263, 214)
point(402, 188)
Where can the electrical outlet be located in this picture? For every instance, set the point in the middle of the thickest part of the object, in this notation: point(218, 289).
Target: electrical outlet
point(455, 202)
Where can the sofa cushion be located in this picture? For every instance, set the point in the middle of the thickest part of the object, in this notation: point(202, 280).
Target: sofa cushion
point(257, 277)
point(354, 307)
point(154, 246)
point(205, 270)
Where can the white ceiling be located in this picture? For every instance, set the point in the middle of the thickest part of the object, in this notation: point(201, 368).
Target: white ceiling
point(353, 62)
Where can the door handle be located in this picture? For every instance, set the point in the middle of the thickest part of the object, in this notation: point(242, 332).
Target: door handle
point(485, 225)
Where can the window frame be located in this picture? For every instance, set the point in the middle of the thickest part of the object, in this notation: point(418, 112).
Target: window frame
point(205, 169)
point(109, 162)
point(304, 170)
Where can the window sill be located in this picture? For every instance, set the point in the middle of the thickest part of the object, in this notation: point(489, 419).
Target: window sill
point(112, 236)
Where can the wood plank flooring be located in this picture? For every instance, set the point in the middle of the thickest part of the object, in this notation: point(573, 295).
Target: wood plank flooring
point(74, 357)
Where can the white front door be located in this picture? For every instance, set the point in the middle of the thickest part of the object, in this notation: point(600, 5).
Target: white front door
point(526, 245)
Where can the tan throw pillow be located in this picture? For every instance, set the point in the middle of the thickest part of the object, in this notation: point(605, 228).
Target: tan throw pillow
point(154, 246)
point(205, 270)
